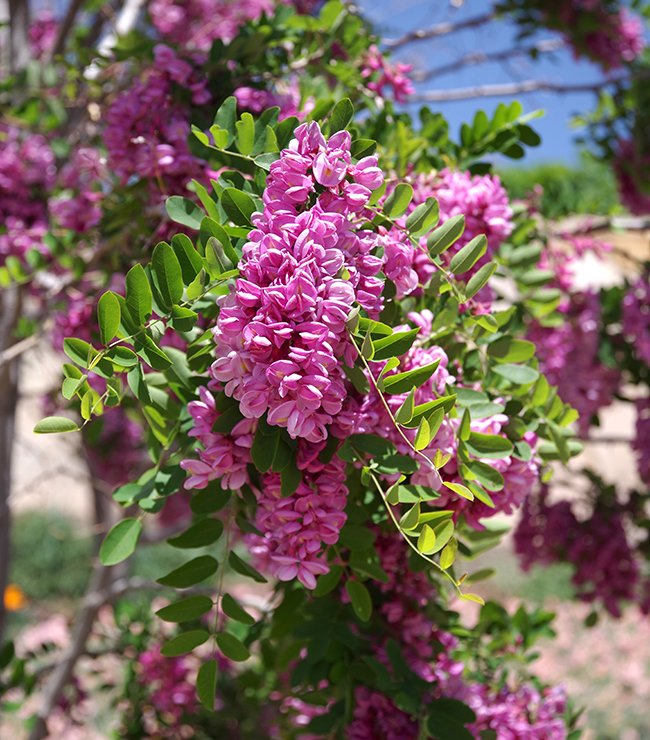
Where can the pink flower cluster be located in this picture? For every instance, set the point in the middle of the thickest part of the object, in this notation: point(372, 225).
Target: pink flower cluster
point(172, 691)
point(522, 713)
point(568, 355)
point(636, 318)
point(287, 98)
point(281, 334)
point(641, 443)
point(146, 129)
point(80, 209)
point(381, 75)
point(608, 35)
point(42, 33)
point(294, 529)
point(481, 199)
point(618, 39)
point(195, 24)
point(376, 716)
point(631, 168)
point(606, 565)
point(118, 455)
point(27, 172)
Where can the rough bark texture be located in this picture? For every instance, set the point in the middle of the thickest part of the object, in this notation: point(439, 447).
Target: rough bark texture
point(10, 302)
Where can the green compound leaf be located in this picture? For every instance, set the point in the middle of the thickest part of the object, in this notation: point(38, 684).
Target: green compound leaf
point(120, 542)
point(239, 206)
point(233, 610)
point(206, 684)
point(108, 316)
point(232, 647)
point(445, 235)
point(191, 573)
point(341, 115)
point(469, 255)
point(167, 274)
point(56, 425)
point(185, 610)
point(184, 643)
point(202, 533)
point(360, 599)
point(138, 294)
point(508, 349)
point(184, 211)
point(394, 345)
point(398, 201)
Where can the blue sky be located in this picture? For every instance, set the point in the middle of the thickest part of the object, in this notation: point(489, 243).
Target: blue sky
point(392, 17)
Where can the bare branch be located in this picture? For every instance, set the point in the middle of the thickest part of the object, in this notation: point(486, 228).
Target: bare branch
point(480, 57)
point(442, 29)
point(508, 88)
point(66, 26)
point(18, 37)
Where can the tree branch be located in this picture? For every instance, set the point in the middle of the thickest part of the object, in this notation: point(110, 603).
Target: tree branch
point(64, 29)
point(442, 29)
point(480, 57)
point(508, 88)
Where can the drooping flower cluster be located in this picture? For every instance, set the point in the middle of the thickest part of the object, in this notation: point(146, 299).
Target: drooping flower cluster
point(481, 199)
point(79, 208)
point(169, 680)
point(641, 443)
point(568, 355)
point(376, 716)
point(293, 528)
point(606, 565)
point(636, 318)
point(42, 33)
point(147, 129)
point(286, 96)
point(27, 172)
point(631, 169)
point(381, 76)
point(603, 32)
point(195, 24)
point(281, 333)
point(523, 712)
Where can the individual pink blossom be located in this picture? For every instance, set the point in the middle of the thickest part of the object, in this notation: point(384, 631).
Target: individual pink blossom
point(636, 318)
point(385, 78)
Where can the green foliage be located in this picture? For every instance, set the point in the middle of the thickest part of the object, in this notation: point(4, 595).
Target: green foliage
point(51, 556)
point(589, 187)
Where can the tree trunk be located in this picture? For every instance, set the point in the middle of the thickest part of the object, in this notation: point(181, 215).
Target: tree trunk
point(10, 303)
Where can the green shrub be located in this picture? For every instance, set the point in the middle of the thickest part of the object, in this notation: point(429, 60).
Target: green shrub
point(51, 558)
point(588, 188)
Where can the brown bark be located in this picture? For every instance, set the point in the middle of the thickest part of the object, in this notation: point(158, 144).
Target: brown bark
point(10, 303)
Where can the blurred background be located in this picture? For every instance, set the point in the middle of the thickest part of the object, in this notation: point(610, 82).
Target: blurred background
point(53, 501)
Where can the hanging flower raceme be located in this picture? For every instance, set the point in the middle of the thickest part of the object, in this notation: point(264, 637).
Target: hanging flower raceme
point(483, 202)
point(27, 172)
point(281, 334)
point(146, 128)
point(636, 318)
point(631, 168)
point(568, 355)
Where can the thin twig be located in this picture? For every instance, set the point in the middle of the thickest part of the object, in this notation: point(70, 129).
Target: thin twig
point(64, 29)
point(509, 88)
point(481, 57)
point(442, 29)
